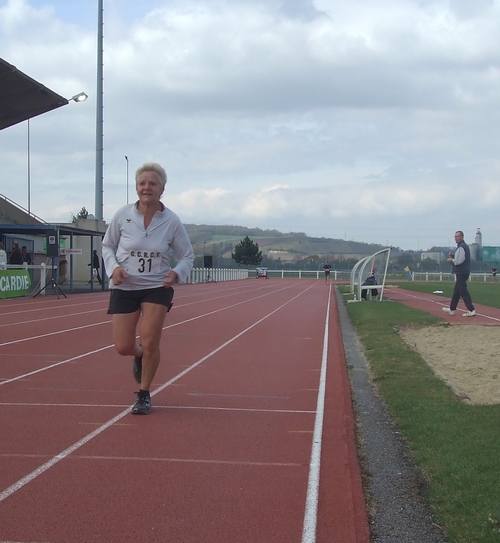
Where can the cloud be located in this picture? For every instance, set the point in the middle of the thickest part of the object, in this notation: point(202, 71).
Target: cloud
point(375, 117)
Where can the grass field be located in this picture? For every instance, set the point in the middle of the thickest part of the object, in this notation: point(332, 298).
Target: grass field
point(486, 293)
point(455, 446)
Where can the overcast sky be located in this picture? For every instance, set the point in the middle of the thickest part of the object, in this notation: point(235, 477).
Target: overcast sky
point(366, 120)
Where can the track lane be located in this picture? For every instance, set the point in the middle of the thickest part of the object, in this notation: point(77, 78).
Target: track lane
point(50, 332)
point(434, 303)
point(238, 384)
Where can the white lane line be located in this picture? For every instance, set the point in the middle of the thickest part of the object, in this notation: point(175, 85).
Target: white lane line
point(191, 461)
point(45, 368)
point(246, 409)
point(311, 509)
point(64, 454)
point(168, 459)
point(54, 460)
point(22, 340)
point(166, 407)
point(218, 395)
point(408, 295)
point(22, 323)
point(23, 376)
point(47, 308)
point(102, 309)
point(25, 542)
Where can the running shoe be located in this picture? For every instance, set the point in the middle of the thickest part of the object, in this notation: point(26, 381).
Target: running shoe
point(448, 310)
point(469, 313)
point(142, 405)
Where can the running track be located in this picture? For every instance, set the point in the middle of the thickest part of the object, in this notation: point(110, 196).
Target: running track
point(251, 439)
point(434, 303)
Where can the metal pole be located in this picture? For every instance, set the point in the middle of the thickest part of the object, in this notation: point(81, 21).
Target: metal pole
point(99, 117)
point(126, 158)
point(29, 170)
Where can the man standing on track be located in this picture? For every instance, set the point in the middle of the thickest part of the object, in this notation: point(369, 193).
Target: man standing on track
point(460, 260)
point(135, 251)
point(327, 267)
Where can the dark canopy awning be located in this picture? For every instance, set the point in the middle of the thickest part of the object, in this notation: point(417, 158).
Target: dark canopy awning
point(22, 98)
point(42, 229)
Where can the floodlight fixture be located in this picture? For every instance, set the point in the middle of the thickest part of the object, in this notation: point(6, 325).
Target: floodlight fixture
point(81, 97)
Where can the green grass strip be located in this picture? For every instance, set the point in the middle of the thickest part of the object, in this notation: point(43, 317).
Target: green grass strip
point(455, 446)
point(486, 293)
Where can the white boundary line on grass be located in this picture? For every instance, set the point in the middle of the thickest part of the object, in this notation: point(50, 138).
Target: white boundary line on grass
point(408, 295)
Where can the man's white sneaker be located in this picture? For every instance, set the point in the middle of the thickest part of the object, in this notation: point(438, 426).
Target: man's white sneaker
point(448, 310)
point(469, 314)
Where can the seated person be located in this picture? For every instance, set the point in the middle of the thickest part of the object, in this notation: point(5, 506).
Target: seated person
point(370, 280)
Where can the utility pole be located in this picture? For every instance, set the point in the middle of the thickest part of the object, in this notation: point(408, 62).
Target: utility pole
point(99, 117)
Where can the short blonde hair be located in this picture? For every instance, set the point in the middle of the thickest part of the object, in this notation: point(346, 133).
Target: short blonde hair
point(152, 167)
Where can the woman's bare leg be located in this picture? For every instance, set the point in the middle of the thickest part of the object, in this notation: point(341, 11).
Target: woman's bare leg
point(153, 317)
point(124, 333)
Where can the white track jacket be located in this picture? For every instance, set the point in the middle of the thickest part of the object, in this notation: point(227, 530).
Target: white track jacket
point(144, 252)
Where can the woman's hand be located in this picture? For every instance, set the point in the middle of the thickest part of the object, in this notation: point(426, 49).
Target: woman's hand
point(170, 279)
point(118, 275)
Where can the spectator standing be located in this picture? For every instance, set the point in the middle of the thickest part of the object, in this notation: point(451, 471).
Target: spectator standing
point(25, 255)
point(460, 261)
point(15, 256)
point(96, 264)
point(3, 257)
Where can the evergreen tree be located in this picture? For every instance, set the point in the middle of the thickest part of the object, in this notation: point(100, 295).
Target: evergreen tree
point(247, 252)
point(82, 214)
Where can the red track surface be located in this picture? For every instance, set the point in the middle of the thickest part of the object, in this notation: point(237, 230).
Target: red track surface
point(251, 439)
point(434, 303)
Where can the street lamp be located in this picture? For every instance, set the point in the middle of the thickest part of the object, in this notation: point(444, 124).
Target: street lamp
point(80, 97)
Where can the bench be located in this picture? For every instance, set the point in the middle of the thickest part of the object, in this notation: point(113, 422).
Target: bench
point(369, 288)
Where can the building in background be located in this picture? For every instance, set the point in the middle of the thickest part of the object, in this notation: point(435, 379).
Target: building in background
point(476, 248)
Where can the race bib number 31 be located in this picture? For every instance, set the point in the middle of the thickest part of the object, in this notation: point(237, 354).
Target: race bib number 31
point(144, 262)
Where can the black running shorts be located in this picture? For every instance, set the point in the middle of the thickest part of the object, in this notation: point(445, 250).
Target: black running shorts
point(129, 301)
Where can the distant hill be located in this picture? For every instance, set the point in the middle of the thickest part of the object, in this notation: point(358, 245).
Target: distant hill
point(221, 240)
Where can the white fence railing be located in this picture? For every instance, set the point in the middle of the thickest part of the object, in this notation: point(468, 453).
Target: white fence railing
point(208, 275)
point(41, 275)
point(211, 275)
point(305, 274)
point(447, 276)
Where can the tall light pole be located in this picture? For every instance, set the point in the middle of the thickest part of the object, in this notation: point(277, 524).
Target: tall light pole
point(80, 97)
point(29, 170)
point(99, 117)
point(126, 158)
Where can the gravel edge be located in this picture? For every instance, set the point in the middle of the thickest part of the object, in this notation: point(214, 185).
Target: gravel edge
point(394, 489)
